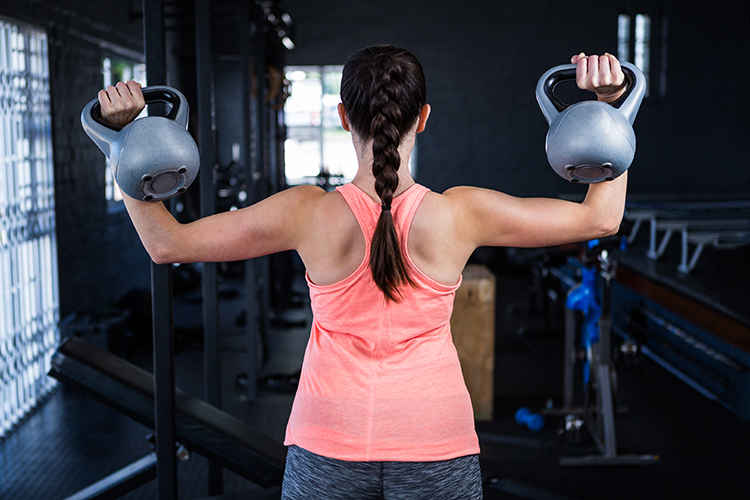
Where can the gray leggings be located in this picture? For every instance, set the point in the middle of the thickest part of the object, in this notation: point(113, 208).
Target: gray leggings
point(312, 477)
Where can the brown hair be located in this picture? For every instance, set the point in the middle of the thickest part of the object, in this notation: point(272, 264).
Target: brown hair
point(383, 91)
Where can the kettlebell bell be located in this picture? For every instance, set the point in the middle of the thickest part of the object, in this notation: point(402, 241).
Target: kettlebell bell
point(590, 141)
point(152, 158)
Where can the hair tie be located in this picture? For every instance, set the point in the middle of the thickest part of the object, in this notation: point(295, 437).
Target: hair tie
point(385, 207)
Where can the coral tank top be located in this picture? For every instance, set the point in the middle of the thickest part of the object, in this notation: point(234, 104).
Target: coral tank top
point(381, 381)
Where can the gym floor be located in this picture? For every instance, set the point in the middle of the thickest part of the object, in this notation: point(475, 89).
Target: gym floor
point(72, 441)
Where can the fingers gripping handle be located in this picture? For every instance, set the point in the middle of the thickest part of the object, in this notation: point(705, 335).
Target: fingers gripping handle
point(104, 135)
point(628, 103)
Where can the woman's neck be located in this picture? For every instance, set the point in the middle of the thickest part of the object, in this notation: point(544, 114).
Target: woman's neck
point(365, 180)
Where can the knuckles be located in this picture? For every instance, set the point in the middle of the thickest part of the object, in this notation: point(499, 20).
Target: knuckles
point(599, 72)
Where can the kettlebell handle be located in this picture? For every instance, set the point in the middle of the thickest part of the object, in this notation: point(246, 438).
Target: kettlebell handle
point(635, 85)
point(104, 134)
point(156, 93)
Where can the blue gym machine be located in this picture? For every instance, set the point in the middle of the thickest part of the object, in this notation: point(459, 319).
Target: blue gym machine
point(591, 298)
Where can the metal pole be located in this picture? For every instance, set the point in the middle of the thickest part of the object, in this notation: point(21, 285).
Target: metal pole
point(247, 145)
point(161, 289)
point(273, 157)
point(211, 355)
point(570, 358)
point(261, 159)
point(259, 62)
point(605, 359)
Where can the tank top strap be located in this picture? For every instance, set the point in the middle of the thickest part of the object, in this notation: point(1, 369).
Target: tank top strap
point(367, 211)
point(364, 209)
point(404, 208)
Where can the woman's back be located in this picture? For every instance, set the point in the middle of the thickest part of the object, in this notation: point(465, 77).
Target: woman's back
point(381, 378)
point(336, 244)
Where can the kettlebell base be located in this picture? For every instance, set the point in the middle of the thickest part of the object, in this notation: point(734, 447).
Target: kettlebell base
point(164, 185)
point(589, 173)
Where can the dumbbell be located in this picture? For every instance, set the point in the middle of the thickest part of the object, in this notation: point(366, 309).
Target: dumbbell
point(534, 421)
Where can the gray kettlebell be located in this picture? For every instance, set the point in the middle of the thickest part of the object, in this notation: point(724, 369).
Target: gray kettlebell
point(152, 158)
point(590, 141)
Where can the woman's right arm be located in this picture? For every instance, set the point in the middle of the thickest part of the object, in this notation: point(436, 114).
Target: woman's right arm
point(491, 218)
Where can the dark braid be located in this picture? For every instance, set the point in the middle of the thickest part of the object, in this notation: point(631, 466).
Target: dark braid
point(383, 92)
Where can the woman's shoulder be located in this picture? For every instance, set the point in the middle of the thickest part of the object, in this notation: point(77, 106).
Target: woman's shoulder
point(305, 191)
point(469, 199)
point(451, 198)
point(458, 192)
point(456, 209)
point(434, 210)
point(313, 204)
point(308, 196)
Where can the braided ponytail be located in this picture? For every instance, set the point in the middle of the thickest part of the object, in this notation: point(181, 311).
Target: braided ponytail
point(383, 92)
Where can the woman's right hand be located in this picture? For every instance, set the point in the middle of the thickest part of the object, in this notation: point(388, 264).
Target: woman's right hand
point(122, 103)
point(601, 75)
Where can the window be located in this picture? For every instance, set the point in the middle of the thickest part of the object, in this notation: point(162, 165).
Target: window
point(623, 37)
point(116, 69)
point(29, 303)
point(317, 148)
point(316, 144)
point(642, 53)
point(641, 46)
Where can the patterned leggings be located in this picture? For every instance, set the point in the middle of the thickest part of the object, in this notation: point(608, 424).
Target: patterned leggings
point(312, 477)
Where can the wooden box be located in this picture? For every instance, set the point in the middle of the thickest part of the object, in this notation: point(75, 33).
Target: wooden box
point(473, 327)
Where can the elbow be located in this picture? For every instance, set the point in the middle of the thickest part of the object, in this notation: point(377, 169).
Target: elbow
point(159, 260)
point(603, 223)
point(609, 227)
point(161, 254)
point(165, 247)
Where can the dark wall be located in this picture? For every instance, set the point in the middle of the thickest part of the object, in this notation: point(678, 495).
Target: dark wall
point(99, 255)
point(483, 59)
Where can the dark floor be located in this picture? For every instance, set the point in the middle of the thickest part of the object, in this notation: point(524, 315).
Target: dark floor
point(702, 447)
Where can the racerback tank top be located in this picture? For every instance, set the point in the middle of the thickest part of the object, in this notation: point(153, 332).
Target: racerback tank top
point(381, 380)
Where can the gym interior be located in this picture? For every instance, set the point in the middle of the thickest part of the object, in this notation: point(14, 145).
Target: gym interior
point(641, 389)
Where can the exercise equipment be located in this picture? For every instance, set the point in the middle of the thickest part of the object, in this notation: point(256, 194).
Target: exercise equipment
point(199, 426)
point(721, 224)
point(696, 327)
point(152, 158)
point(533, 421)
point(584, 298)
point(590, 141)
point(592, 298)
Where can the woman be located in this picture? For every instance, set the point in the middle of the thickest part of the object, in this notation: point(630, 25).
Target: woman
point(382, 410)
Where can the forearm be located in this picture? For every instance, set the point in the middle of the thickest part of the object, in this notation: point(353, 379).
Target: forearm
point(155, 226)
point(501, 220)
point(605, 203)
point(606, 200)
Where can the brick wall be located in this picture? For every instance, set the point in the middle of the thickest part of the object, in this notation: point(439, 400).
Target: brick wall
point(99, 254)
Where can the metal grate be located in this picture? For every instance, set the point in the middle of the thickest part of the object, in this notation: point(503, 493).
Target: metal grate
point(29, 304)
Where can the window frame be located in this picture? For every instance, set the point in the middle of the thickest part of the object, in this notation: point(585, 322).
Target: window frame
point(29, 295)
